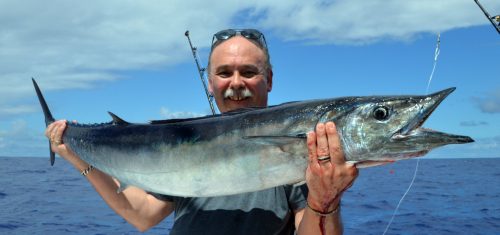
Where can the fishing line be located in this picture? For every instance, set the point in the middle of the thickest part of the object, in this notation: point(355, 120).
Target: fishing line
point(436, 55)
point(403, 197)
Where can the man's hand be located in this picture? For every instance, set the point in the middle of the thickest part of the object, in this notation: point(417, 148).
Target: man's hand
point(54, 133)
point(135, 205)
point(327, 175)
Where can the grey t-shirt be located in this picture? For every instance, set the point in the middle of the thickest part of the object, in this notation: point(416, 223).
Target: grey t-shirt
point(268, 211)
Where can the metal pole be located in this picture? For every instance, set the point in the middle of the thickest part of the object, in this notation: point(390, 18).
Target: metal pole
point(201, 72)
point(497, 27)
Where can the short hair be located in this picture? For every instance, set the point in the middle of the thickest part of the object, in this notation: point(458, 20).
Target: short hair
point(267, 65)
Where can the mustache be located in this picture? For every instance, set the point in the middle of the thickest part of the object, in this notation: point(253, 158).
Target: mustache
point(239, 93)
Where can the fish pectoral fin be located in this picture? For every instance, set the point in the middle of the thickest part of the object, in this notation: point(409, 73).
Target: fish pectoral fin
point(284, 143)
point(276, 140)
point(370, 163)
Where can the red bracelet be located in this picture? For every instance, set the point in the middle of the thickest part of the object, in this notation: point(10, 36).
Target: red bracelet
point(319, 213)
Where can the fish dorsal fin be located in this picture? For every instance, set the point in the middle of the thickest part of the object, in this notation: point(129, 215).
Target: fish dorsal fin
point(117, 120)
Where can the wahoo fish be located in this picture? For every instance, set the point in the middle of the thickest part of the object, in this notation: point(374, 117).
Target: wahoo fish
point(254, 148)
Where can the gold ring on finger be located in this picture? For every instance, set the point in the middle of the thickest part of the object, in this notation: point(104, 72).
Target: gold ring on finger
point(323, 158)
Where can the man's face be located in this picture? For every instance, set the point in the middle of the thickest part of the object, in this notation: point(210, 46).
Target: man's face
point(238, 76)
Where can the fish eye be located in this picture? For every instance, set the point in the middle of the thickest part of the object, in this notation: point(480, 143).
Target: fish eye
point(381, 113)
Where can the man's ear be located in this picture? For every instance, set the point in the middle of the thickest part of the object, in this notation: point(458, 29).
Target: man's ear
point(210, 86)
point(270, 80)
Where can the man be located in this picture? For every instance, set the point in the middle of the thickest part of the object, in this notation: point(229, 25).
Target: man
point(240, 76)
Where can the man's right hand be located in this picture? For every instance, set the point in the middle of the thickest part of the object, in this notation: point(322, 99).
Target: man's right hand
point(135, 205)
point(54, 133)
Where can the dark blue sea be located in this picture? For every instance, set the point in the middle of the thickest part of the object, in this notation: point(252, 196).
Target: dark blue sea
point(449, 196)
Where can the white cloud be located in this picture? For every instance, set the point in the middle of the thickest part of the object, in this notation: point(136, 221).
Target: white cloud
point(20, 140)
point(167, 114)
point(362, 21)
point(473, 123)
point(76, 44)
point(17, 110)
point(489, 103)
point(490, 106)
point(72, 45)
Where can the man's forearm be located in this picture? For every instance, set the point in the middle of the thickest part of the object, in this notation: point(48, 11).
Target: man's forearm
point(131, 204)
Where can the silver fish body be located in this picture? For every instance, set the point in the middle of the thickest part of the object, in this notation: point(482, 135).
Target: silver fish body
point(253, 149)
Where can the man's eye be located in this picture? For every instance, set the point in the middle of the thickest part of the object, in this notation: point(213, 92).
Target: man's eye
point(224, 74)
point(249, 74)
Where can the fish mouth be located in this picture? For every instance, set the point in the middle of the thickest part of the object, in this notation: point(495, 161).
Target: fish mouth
point(414, 130)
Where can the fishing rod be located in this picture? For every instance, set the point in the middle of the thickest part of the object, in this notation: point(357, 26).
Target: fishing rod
point(201, 72)
point(490, 18)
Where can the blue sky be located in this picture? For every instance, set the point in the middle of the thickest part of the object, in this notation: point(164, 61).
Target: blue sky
point(132, 58)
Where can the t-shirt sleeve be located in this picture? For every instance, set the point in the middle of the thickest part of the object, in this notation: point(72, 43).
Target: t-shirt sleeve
point(162, 197)
point(297, 196)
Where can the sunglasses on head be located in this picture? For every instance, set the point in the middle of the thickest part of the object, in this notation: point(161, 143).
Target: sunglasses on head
point(250, 34)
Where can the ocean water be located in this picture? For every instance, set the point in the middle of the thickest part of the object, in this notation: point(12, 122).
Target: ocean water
point(449, 196)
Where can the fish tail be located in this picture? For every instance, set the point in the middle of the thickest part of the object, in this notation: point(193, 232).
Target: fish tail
point(48, 116)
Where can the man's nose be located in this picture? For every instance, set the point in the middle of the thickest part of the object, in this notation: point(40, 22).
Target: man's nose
point(237, 81)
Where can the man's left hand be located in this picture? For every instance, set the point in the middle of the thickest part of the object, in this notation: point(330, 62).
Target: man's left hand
point(327, 175)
